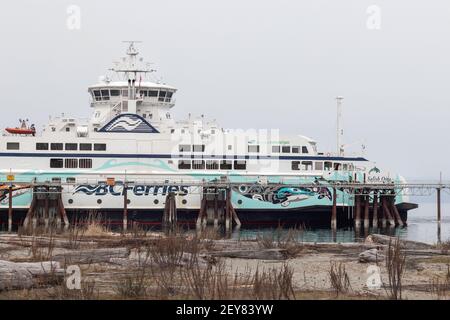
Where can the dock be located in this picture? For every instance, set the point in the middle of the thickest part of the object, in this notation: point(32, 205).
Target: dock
point(373, 203)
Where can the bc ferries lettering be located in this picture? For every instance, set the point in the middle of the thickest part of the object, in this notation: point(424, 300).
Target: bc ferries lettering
point(137, 190)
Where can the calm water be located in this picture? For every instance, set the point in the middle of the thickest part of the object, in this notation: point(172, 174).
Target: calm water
point(422, 226)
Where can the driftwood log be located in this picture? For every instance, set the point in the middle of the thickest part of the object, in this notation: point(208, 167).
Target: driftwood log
point(136, 261)
point(262, 254)
point(26, 275)
point(405, 244)
point(89, 256)
point(28, 241)
point(371, 255)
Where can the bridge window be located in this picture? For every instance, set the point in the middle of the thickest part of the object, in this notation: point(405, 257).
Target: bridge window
point(162, 96)
point(198, 164)
point(254, 149)
point(198, 148)
point(56, 163)
point(115, 93)
point(41, 146)
point(275, 149)
point(71, 163)
point(286, 149)
point(240, 165)
point(319, 165)
point(85, 163)
point(185, 147)
point(295, 165)
point(12, 145)
point(153, 93)
point(105, 94)
point(304, 149)
point(71, 146)
point(212, 165)
point(226, 165)
point(307, 165)
point(56, 146)
point(183, 164)
point(169, 96)
point(328, 166)
point(337, 166)
point(296, 149)
point(85, 146)
point(99, 147)
point(97, 95)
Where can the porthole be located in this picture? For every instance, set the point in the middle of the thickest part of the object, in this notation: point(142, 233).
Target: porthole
point(239, 202)
point(99, 201)
point(128, 201)
point(184, 201)
point(70, 201)
point(155, 201)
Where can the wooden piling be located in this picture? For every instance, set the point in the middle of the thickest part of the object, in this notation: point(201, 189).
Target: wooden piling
point(366, 211)
point(62, 212)
point(386, 211)
point(375, 210)
point(170, 212)
point(228, 213)
point(396, 213)
point(202, 211)
point(125, 207)
point(46, 208)
point(438, 190)
point(30, 212)
point(216, 209)
point(10, 209)
point(334, 210)
point(357, 211)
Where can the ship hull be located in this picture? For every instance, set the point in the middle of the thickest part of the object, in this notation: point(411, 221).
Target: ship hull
point(313, 217)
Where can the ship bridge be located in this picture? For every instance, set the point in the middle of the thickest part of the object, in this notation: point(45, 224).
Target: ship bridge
point(133, 94)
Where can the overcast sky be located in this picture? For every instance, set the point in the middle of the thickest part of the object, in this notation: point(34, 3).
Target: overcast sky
point(251, 64)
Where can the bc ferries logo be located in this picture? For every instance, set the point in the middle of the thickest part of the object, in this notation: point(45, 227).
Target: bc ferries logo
point(128, 123)
point(137, 190)
point(374, 170)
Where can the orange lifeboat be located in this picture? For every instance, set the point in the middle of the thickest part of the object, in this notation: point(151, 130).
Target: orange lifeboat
point(20, 130)
point(24, 129)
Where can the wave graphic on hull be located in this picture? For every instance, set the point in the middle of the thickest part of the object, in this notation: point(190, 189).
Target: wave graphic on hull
point(129, 123)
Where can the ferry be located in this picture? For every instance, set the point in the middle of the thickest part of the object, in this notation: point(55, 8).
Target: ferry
point(133, 143)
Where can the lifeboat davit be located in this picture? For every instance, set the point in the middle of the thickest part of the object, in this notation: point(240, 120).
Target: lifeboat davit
point(20, 131)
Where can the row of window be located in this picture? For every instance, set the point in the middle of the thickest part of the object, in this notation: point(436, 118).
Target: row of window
point(319, 166)
point(71, 146)
point(212, 165)
point(288, 149)
point(71, 163)
point(251, 148)
point(61, 146)
point(106, 94)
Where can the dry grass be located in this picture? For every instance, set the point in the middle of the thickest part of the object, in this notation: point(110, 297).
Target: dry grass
point(395, 265)
point(440, 286)
point(282, 239)
point(339, 279)
point(274, 284)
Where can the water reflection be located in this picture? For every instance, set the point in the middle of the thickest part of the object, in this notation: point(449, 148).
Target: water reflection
point(422, 226)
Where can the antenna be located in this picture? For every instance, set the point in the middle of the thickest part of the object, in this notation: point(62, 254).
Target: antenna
point(339, 131)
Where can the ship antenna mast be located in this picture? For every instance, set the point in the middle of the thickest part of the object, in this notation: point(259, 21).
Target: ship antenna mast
point(131, 67)
point(339, 130)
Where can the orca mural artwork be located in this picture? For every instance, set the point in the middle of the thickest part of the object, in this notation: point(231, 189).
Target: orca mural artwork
point(284, 195)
